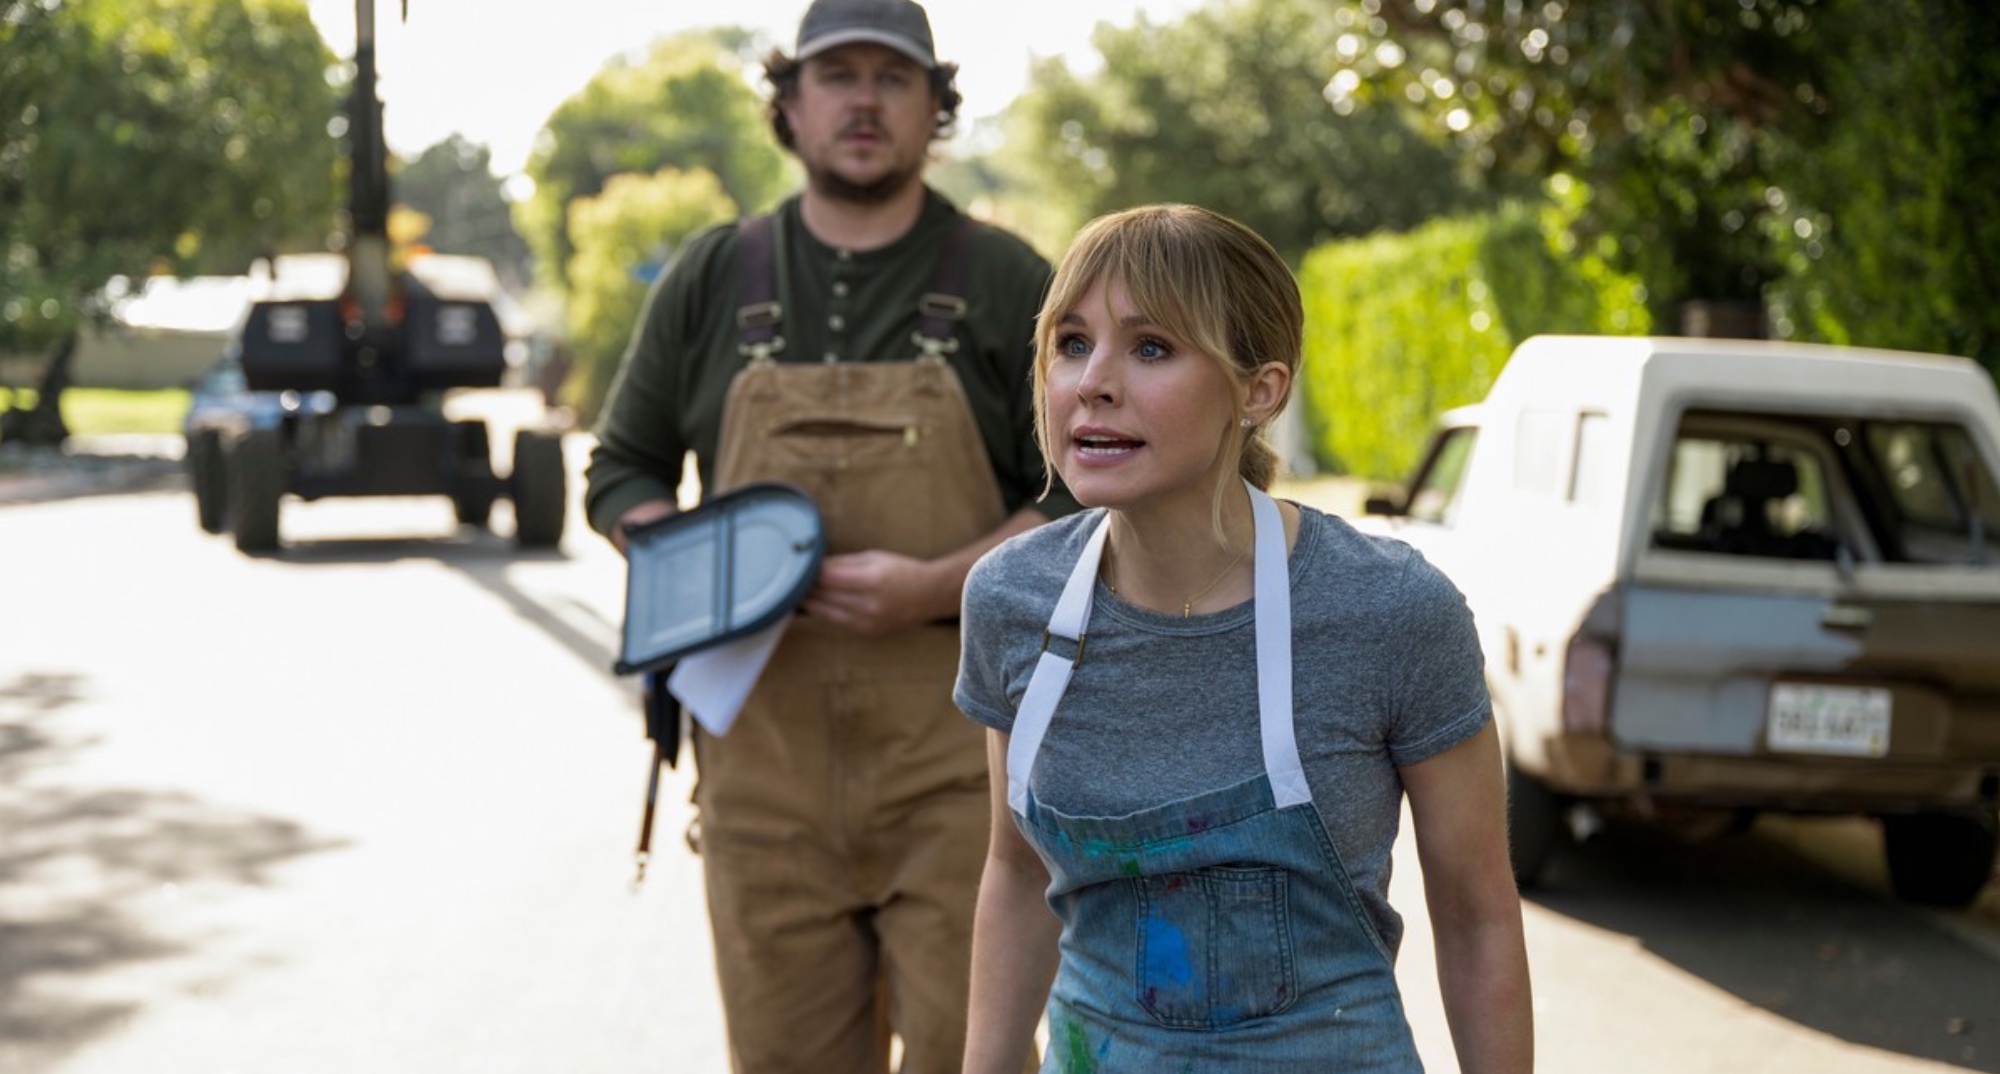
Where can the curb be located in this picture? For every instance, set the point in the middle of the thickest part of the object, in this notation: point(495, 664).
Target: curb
point(88, 466)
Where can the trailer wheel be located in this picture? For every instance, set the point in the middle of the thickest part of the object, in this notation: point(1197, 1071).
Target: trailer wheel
point(1940, 859)
point(1534, 825)
point(540, 487)
point(472, 502)
point(209, 479)
point(472, 509)
point(256, 485)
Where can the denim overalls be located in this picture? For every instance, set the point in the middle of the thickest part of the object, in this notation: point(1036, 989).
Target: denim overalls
point(1218, 932)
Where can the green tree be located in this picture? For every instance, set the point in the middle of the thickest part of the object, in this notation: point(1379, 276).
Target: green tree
point(1400, 328)
point(1230, 108)
point(452, 184)
point(1827, 160)
point(1677, 116)
point(623, 236)
point(153, 135)
point(1891, 235)
point(687, 103)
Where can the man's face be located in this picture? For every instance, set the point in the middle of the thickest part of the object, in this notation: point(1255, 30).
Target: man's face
point(862, 122)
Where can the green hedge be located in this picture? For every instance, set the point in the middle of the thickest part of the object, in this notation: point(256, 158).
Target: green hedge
point(94, 411)
point(1400, 328)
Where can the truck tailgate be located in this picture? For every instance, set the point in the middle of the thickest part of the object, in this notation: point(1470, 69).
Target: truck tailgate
point(1775, 673)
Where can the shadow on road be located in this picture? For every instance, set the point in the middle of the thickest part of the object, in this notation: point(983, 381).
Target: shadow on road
point(586, 646)
point(467, 545)
point(1753, 917)
point(482, 557)
point(80, 864)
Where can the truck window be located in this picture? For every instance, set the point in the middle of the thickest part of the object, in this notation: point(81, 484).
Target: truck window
point(1802, 486)
point(1542, 441)
point(1591, 483)
point(1943, 507)
point(1745, 496)
point(1434, 497)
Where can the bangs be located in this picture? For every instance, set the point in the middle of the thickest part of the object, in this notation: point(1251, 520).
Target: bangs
point(1173, 280)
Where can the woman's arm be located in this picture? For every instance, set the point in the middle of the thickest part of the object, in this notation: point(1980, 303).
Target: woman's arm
point(1013, 940)
point(1458, 804)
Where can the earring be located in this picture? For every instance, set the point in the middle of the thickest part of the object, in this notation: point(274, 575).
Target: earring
point(1245, 422)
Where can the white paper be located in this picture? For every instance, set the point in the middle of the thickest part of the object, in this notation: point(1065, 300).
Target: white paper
point(714, 683)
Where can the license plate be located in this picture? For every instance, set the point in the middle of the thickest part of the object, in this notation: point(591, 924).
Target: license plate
point(1842, 721)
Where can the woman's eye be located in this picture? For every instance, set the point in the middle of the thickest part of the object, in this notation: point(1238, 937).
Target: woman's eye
point(1152, 350)
point(1072, 347)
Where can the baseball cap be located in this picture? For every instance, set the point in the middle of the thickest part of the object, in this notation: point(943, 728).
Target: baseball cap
point(897, 24)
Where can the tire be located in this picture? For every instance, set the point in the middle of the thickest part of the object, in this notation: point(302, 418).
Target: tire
point(475, 473)
point(472, 510)
point(1940, 859)
point(256, 485)
point(209, 477)
point(1534, 826)
point(541, 489)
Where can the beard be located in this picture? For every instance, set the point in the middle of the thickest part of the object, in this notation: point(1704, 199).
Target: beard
point(829, 183)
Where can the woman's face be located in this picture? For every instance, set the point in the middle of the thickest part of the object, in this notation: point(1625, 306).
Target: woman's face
point(1138, 418)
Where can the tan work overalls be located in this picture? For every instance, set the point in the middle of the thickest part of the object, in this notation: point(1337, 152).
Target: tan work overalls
point(844, 817)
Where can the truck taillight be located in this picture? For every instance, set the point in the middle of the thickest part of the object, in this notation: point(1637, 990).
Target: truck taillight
point(1587, 668)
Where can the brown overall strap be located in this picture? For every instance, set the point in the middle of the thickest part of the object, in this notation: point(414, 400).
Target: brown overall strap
point(943, 306)
point(760, 310)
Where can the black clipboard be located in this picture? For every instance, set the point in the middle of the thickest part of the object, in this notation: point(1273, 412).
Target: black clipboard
point(722, 571)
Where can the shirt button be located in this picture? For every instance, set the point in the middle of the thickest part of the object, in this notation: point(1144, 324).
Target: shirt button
point(831, 356)
point(837, 323)
point(840, 289)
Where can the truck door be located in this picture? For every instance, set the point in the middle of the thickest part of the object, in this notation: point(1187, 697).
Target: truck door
point(1814, 586)
point(1426, 516)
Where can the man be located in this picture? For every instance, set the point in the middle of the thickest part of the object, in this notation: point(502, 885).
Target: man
point(870, 345)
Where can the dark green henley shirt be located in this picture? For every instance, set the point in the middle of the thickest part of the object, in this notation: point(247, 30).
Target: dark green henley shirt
point(849, 306)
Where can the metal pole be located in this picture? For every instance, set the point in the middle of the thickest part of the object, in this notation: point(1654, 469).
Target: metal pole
point(368, 179)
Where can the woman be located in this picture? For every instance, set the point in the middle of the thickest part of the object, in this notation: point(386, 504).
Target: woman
point(1206, 706)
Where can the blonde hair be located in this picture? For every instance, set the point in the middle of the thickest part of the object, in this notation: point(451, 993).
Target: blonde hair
point(1205, 279)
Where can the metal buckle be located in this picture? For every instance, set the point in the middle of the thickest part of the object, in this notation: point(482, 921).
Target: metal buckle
point(933, 350)
point(951, 307)
point(758, 314)
point(1080, 639)
point(761, 352)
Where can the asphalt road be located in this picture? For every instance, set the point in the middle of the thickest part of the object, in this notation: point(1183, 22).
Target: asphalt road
point(368, 805)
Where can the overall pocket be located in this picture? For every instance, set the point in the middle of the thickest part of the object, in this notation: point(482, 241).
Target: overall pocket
point(1214, 947)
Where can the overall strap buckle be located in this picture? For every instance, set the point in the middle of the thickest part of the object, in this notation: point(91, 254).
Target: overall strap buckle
point(1077, 657)
point(933, 337)
point(757, 330)
point(759, 313)
point(941, 308)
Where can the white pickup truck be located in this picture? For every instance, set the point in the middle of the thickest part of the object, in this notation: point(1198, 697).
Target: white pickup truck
point(1721, 577)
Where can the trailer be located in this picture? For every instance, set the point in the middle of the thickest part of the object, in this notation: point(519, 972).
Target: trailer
point(350, 383)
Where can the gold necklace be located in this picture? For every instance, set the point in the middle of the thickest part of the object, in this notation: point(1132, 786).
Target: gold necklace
point(1187, 606)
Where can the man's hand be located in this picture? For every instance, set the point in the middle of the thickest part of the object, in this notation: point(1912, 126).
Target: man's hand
point(876, 593)
point(639, 515)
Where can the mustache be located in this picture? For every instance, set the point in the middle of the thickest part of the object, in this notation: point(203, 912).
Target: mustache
point(863, 126)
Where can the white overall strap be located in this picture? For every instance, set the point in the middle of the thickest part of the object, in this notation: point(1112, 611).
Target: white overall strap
point(1052, 671)
point(1274, 654)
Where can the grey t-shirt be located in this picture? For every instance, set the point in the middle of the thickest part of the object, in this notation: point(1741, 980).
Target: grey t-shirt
point(1387, 671)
